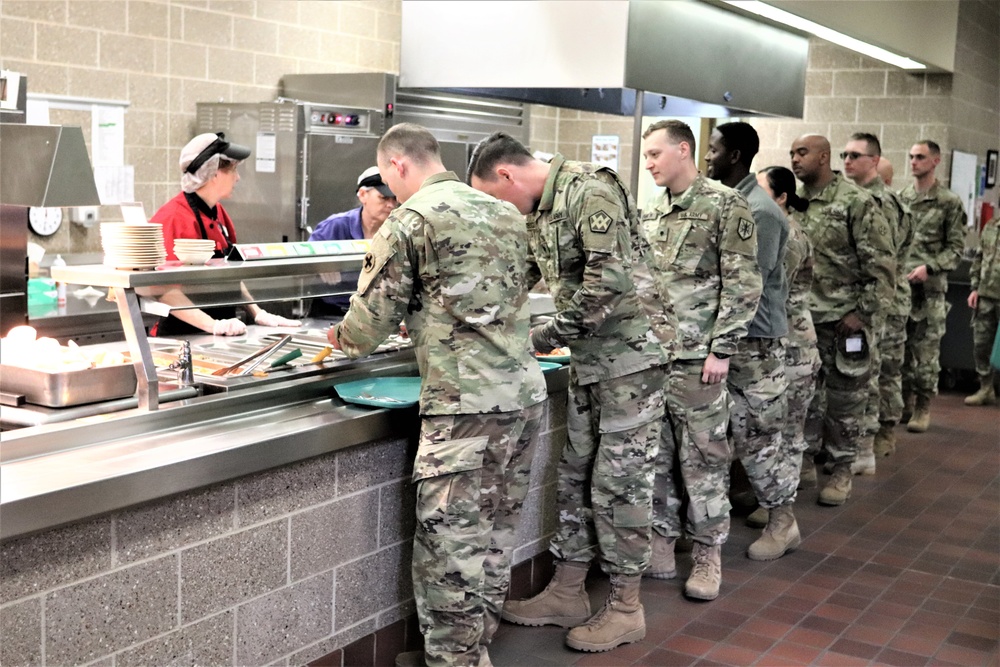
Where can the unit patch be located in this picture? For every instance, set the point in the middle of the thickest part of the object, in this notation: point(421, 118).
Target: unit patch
point(745, 229)
point(369, 262)
point(600, 222)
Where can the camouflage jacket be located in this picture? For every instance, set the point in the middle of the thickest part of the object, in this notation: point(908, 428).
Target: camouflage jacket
point(938, 232)
point(452, 261)
point(900, 222)
point(852, 244)
point(799, 271)
point(984, 276)
point(770, 320)
point(704, 244)
point(582, 244)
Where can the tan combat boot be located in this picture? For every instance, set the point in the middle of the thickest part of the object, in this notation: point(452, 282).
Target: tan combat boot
point(807, 473)
point(921, 419)
point(985, 396)
point(758, 518)
point(564, 602)
point(865, 463)
point(706, 575)
point(662, 563)
point(780, 536)
point(908, 403)
point(885, 440)
point(838, 489)
point(621, 620)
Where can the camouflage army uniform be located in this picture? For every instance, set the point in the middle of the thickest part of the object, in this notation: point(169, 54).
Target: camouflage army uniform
point(582, 244)
point(453, 261)
point(756, 380)
point(938, 241)
point(886, 392)
point(802, 361)
point(704, 254)
point(984, 277)
point(853, 272)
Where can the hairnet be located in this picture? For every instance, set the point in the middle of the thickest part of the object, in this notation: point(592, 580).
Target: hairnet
point(205, 173)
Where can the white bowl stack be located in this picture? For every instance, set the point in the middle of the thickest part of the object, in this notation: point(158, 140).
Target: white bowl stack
point(194, 251)
point(133, 246)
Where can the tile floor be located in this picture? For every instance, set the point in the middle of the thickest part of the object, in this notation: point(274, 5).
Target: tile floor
point(906, 573)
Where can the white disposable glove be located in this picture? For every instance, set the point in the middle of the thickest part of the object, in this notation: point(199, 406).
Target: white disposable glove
point(331, 278)
point(266, 319)
point(231, 327)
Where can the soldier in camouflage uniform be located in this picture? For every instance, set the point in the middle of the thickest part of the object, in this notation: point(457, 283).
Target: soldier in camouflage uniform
point(704, 244)
point(757, 382)
point(938, 243)
point(802, 362)
point(581, 223)
point(862, 156)
point(984, 300)
point(453, 262)
point(852, 281)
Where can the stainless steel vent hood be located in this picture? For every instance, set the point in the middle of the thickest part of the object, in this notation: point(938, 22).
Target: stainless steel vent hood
point(45, 165)
point(686, 58)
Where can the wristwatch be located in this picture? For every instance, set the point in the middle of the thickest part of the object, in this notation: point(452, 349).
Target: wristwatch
point(721, 355)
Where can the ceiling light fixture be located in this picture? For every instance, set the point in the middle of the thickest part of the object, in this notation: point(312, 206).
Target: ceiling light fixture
point(789, 19)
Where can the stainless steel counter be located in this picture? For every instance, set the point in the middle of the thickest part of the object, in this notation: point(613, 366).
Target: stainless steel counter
point(64, 472)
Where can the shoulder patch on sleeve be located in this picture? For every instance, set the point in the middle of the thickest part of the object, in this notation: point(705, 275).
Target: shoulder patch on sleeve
point(745, 228)
point(600, 222)
point(369, 263)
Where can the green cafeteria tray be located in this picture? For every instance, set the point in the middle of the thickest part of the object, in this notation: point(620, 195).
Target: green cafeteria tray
point(384, 392)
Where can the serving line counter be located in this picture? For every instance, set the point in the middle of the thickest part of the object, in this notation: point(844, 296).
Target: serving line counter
point(201, 528)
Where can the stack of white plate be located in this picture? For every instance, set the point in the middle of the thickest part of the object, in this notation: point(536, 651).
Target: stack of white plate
point(133, 246)
point(194, 251)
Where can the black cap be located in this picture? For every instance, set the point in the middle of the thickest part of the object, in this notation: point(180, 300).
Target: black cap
point(370, 178)
point(202, 148)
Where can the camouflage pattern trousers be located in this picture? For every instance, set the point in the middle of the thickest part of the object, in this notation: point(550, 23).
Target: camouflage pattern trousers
point(874, 386)
point(472, 474)
point(985, 320)
point(802, 366)
point(892, 349)
point(757, 386)
point(837, 415)
point(604, 493)
point(924, 331)
point(694, 457)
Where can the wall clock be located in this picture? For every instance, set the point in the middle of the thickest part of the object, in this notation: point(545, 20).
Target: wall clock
point(44, 221)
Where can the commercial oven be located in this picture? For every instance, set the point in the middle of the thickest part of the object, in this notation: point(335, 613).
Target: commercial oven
point(310, 145)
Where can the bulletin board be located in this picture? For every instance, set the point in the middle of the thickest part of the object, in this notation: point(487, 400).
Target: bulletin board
point(965, 182)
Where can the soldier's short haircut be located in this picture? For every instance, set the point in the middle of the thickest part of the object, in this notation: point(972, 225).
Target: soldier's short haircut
point(739, 136)
point(498, 148)
point(932, 146)
point(874, 147)
point(677, 131)
point(411, 140)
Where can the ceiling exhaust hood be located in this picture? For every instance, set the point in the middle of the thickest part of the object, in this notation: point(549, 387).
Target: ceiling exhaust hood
point(675, 58)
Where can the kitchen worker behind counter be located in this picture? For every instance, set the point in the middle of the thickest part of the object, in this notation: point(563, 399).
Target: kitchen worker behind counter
point(454, 262)
point(208, 175)
point(377, 202)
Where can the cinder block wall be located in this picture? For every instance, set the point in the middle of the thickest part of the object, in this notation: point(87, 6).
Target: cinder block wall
point(277, 568)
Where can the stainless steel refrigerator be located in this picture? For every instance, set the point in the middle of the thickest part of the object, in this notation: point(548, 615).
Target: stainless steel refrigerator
point(311, 144)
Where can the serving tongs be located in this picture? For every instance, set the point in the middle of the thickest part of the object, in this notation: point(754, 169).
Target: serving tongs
point(259, 355)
